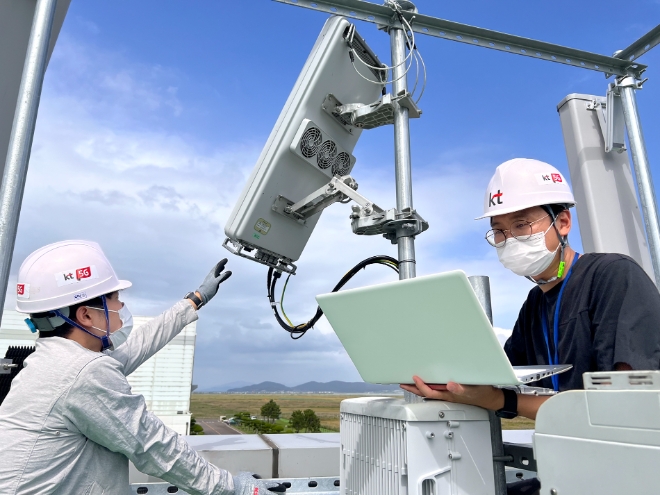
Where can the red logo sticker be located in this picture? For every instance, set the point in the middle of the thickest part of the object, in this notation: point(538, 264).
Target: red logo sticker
point(557, 178)
point(82, 273)
point(23, 291)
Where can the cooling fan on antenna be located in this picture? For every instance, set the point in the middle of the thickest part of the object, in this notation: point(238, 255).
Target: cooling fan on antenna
point(310, 142)
point(326, 155)
point(320, 150)
point(341, 164)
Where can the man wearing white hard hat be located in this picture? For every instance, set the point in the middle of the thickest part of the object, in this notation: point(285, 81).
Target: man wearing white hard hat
point(70, 422)
point(595, 311)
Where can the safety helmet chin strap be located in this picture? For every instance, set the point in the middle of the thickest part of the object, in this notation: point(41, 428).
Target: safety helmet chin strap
point(105, 340)
point(563, 242)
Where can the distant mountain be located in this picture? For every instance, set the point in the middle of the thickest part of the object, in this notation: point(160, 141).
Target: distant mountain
point(262, 387)
point(334, 387)
point(223, 388)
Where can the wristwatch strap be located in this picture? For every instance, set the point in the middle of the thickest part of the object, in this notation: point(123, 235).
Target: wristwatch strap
point(193, 297)
point(510, 409)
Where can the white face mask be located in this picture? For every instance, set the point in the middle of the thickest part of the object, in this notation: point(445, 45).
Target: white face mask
point(527, 258)
point(118, 337)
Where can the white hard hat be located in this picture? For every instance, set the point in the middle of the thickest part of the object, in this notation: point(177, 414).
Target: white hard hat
point(522, 183)
point(63, 274)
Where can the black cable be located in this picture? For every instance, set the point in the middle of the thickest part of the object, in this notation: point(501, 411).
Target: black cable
point(298, 331)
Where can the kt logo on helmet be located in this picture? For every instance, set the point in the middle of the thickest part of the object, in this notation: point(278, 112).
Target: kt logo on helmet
point(493, 197)
point(77, 275)
point(552, 177)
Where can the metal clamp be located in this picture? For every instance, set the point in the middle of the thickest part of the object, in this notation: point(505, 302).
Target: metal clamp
point(519, 456)
point(260, 255)
point(610, 118)
point(6, 366)
point(370, 219)
point(339, 189)
point(406, 223)
point(628, 82)
point(367, 217)
point(370, 116)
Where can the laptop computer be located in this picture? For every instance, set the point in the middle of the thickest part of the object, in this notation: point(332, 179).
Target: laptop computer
point(431, 326)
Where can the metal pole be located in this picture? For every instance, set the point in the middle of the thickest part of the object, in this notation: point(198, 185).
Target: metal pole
point(642, 171)
point(402, 161)
point(20, 141)
point(481, 286)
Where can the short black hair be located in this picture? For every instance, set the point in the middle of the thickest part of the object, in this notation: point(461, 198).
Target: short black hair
point(555, 209)
point(66, 329)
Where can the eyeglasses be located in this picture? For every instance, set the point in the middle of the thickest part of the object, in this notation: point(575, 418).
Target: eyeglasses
point(519, 229)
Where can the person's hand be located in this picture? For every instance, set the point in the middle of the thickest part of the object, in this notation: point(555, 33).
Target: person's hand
point(484, 396)
point(248, 484)
point(211, 283)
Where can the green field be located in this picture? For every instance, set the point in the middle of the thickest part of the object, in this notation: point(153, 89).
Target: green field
point(326, 406)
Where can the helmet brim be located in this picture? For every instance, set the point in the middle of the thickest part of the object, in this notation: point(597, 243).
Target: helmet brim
point(123, 284)
point(506, 211)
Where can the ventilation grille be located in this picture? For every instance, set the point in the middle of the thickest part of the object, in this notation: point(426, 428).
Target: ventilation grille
point(321, 151)
point(341, 164)
point(373, 455)
point(365, 53)
point(310, 142)
point(327, 154)
point(623, 380)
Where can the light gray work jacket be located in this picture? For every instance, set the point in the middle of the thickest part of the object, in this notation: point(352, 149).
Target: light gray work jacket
point(70, 423)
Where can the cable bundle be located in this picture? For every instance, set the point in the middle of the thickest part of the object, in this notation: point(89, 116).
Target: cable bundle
point(298, 331)
point(413, 55)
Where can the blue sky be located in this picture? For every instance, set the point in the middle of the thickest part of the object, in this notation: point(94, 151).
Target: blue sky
point(153, 114)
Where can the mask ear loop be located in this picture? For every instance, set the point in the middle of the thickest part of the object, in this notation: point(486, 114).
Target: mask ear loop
point(105, 340)
point(107, 343)
point(73, 323)
point(563, 242)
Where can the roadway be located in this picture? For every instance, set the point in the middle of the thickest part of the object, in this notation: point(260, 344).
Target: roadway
point(216, 427)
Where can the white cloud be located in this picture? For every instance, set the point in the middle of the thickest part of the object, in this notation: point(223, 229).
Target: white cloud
point(111, 163)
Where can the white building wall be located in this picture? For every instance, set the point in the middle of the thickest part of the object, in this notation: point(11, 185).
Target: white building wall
point(164, 380)
point(14, 331)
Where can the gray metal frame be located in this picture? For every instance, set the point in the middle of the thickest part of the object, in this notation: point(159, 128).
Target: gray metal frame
point(20, 142)
point(299, 486)
point(402, 156)
point(484, 38)
point(627, 87)
point(641, 46)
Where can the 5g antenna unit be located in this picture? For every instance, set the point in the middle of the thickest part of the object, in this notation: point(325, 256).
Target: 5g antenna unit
point(306, 148)
point(305, 164)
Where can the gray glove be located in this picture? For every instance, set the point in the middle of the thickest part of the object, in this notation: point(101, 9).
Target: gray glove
point(209, 287)
point(246, 484)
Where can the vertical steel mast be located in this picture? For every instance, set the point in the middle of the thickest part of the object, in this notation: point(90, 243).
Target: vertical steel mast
point(402, 157)
point(20, 142)
point(627, 87)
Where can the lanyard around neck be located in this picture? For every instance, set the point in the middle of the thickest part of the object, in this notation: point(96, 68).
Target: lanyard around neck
point(545, 325)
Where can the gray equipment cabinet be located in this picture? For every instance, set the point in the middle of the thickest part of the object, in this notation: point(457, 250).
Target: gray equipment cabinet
point(607, 208)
